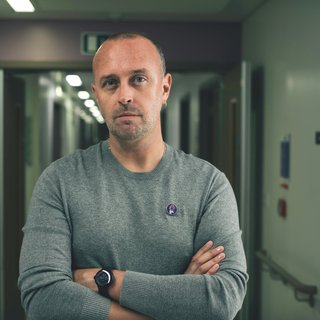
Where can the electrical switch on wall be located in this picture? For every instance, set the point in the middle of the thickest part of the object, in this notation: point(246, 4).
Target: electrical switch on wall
point(282, 208)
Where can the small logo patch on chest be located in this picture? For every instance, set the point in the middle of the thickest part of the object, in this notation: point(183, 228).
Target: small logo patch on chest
point(172, 209)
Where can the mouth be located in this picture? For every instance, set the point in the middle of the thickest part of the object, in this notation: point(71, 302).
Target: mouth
point(125, 116)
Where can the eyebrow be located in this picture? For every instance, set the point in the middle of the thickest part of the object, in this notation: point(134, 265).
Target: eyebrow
point(143, 70)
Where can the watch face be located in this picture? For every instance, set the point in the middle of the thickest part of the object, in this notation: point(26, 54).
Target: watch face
point(103, 278)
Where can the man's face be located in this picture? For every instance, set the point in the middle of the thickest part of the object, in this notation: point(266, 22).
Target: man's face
point(130, 87)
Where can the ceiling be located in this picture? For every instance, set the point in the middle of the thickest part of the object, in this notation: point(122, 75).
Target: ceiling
point(138, 10)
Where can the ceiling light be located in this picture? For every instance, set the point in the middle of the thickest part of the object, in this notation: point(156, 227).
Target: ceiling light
point(89, 103)
point(96, 113)
point(93, 109)
point(100, 120)
point(21, 5)
point(84, 95)
point(74, 80)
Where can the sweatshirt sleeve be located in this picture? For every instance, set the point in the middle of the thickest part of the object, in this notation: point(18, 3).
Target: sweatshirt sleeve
point(219, 296)
point(45, 281)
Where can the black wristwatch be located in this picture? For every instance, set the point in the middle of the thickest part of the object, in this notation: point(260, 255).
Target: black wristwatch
point(104, 279)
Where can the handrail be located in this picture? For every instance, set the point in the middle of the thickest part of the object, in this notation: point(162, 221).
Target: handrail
point(280, 273)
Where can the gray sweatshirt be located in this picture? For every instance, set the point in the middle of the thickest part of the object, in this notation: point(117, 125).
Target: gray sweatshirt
point(89, 211)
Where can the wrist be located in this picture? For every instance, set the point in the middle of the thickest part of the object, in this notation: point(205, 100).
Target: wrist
point(109, 283)
point(104, 279)
point(114, 290)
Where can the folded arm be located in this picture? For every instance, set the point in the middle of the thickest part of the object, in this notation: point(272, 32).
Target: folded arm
point(197, 296)
point(205, 261)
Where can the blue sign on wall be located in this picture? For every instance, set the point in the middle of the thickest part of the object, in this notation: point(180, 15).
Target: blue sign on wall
point(285, 158)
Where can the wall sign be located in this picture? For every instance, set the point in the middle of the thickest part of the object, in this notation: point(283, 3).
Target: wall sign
point(91, 41)
point(285, 158)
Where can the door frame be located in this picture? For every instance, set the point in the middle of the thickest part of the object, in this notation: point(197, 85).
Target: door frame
point(1, 192)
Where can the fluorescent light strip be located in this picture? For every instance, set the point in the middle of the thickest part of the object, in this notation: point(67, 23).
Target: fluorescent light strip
point(21, 5)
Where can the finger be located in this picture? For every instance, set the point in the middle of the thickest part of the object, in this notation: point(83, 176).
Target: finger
point(208, 255)
point(195, 261)
point(213, 269)
point(205, 267)
point(198, 260)
point(204, 249)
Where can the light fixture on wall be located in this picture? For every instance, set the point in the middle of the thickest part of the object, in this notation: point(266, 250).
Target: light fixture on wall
point(59, 91)
point(21, 5)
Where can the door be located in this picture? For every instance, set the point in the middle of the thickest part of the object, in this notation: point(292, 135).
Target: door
point(13, 192)
point(251, 160)
point(209, 128)
point(185, 124)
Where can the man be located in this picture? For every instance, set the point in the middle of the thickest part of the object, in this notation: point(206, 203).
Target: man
point(125, 229)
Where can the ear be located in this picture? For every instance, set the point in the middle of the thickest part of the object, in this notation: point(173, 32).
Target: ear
point(167, 81)
point(93, 88)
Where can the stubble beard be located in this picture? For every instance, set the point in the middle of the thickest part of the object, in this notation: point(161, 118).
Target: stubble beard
point(130, 130)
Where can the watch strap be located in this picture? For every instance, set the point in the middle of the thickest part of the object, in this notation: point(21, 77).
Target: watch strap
point(103, 289)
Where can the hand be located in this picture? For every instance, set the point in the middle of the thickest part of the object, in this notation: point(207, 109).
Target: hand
point(206, 260)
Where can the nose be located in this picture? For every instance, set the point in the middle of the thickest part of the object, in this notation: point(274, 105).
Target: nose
point(125, 94)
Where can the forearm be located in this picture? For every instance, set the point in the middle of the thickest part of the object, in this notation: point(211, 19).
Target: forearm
point(61, 299)
point(45, 279)
point(185, 296)
point(118, 312)
point(205, 261)
point(85, 277)
point(175, 297)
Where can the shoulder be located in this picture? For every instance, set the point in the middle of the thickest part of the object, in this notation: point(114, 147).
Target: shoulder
point(194, 163)
point(75, 163)
point(198, 170)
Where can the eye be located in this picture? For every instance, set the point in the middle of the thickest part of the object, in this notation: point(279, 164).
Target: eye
point(138, 80)
point(110, 83)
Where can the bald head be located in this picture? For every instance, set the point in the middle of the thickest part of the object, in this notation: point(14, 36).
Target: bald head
point(130, 36)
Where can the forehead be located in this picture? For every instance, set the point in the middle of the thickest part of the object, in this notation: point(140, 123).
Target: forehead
point(127, 54)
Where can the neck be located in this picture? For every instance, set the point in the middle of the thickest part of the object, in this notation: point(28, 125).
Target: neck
point(137, 156)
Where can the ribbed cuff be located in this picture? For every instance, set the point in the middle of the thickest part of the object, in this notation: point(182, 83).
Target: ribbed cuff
point(95, 307)
point(135, 292)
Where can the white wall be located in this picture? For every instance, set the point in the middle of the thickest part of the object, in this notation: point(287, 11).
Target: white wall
point(1, 194)
point(283, 37)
